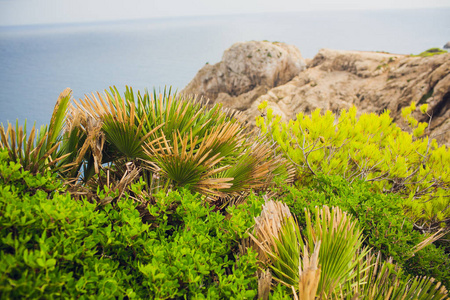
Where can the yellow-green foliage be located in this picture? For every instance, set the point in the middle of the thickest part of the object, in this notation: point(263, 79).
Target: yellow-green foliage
point(372, 148)
point(431, 52)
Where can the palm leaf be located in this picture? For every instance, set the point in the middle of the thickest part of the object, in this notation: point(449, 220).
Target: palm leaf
point(184, 166)
point(59, 113)
point(267, 227)
point(385, 280)
point(339, 268)
point(21, 149)
point(341, 240)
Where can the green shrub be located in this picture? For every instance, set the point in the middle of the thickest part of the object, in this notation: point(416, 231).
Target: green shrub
point(381, 218)
point(280, 292)
point(54, 247)
point(372, 148)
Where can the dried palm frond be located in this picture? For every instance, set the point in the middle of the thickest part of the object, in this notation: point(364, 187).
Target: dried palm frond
point(309, 274)
point(130, 174)
point(267, 227)
point(264, 284)
point(429, 240)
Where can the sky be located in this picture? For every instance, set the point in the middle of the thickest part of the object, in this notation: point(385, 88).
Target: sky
point(27, 12)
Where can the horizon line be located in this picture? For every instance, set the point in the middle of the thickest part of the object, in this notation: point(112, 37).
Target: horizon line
point(93, 22)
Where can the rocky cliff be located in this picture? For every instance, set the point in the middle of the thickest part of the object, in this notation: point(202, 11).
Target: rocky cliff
point(252, 72)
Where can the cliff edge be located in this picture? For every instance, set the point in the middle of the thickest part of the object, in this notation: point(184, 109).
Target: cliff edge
point(253, 72)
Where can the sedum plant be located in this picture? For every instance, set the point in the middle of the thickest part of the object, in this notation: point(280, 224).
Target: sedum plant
point(371, 148)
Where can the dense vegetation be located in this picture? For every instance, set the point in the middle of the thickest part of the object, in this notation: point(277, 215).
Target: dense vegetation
point(53, 246)
point(158, 196)
point(374, 149)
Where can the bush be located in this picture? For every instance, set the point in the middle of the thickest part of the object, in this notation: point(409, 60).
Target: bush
point(381, 218)
point(431, 52)
point(374, 149)
point(55, 247)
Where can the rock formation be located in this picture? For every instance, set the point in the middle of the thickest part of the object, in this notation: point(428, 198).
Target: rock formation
point(332, 80)
point(246, 66)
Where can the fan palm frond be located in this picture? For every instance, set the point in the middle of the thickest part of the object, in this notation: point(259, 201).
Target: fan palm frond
point(267, 227)
point(255, 168)
point(385, 280)
point(188, 163)
point(339, 267)
point(309, 274)
point(280, 246)
point(38, 151)
point(341, 240)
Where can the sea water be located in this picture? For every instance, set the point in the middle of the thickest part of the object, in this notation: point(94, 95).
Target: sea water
point(38, 62)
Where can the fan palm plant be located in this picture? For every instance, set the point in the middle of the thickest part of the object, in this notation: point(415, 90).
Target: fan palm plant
point(174, 139)
point(339, 267)
point(39, 151)
point(380, 279)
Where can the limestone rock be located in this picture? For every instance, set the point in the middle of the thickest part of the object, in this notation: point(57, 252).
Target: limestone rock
point(333, 80)
point(245, 66)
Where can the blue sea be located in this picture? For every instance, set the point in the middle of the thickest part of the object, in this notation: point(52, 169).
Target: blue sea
point(38, 62)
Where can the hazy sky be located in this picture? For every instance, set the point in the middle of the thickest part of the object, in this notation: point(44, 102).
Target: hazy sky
point(19, 12)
